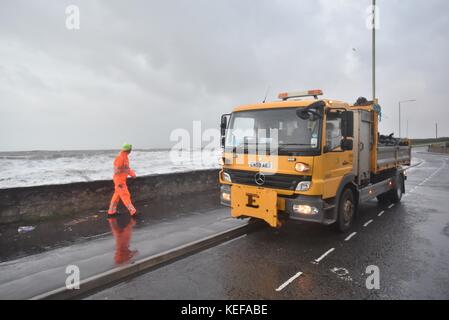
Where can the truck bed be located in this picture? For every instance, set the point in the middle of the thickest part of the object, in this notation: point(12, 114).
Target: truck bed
point(392, 156)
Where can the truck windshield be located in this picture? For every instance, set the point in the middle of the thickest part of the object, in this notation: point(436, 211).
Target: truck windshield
point(281, 129)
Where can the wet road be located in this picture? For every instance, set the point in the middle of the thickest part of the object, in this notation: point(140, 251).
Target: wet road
point(407, 242)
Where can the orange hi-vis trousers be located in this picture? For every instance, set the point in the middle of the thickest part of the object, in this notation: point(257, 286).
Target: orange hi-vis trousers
point(121, 193)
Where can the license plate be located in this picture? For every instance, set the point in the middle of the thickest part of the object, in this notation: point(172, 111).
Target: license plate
point(254, 202)
point(260, 165)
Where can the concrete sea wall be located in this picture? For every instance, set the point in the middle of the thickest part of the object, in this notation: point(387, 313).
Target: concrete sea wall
point(439, 148)
point(42, 202)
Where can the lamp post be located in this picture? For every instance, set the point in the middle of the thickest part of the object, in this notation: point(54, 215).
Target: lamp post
point(407, 129)
point(402, 101)
point(373, 39)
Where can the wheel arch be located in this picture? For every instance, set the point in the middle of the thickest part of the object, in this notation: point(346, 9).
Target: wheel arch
point(347, 182)
point(403, 176)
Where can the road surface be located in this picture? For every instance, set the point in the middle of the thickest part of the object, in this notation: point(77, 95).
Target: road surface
point(407, 243)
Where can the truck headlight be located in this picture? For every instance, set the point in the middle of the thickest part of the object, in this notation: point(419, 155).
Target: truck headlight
point(303, 186)
point(226, 196)
point(302, 167)
point(227, 177)
point(305, 209)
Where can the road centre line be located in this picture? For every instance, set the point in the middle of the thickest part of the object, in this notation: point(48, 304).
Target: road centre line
point(286, 283)
point(350, 236)
point(381, 213)
point(368, 222)
point(324, 255)
point(391, 206)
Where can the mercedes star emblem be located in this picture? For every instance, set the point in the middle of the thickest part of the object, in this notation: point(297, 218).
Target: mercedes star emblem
point(259, 178)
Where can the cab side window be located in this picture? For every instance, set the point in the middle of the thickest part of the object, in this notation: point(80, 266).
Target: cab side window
point(333, 130)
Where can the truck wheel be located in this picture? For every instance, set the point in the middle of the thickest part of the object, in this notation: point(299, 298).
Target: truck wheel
point(346, 210)
point(384, 197)
point(396, 193)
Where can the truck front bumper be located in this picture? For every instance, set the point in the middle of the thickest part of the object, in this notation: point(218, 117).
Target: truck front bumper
point(296, 208)
point(310, 208)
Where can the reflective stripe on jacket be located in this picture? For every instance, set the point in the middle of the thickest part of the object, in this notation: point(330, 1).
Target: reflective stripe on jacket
point(121, 165)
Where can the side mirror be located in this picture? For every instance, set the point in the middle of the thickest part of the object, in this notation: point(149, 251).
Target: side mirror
point(347, 124)
point(307, 113)
point(223, 124)
point(311, 111)
point(346, 145)
point(223, 127)
point(303, 114)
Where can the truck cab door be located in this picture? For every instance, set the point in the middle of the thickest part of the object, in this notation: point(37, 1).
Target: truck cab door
point(336, 161)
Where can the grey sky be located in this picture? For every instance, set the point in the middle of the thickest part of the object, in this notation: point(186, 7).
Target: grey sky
point(136, 70)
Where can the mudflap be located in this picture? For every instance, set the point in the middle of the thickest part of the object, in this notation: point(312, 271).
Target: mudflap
point(255, 202)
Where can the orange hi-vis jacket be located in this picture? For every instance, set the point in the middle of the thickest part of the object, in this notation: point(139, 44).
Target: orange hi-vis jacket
point(121, 167)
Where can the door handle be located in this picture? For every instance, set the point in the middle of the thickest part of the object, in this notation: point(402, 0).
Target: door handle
point(361, 146)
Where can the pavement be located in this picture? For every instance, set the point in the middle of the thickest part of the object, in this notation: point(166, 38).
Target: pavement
point(405, 244)
point(85, 226)
point(127, 242)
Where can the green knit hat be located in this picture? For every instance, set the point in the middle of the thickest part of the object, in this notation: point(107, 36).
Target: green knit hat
point(127, 147)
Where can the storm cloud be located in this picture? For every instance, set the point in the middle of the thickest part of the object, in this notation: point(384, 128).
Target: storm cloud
point(136, 70)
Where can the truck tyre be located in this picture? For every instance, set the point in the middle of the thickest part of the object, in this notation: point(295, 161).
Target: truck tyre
point(396, 192)
point(346, 210)
point(384, 197)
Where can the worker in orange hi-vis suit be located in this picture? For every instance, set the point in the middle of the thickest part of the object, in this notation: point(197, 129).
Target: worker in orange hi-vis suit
point(122, 234)
point(121, 173)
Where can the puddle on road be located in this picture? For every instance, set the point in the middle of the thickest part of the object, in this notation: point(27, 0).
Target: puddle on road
point(64, 231)
point(342, 273)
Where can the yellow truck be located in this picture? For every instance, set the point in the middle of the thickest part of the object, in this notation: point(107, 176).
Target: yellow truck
point(309, 159)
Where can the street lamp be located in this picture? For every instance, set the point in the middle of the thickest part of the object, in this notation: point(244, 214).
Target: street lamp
point(402, 101)
point(373, 56)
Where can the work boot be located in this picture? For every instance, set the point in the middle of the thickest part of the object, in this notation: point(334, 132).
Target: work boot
point(112, 215)
point(131, 209)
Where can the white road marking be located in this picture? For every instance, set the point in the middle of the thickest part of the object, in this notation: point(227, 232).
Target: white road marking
point(286, 283)
point(391, 206)
point(368, 222)
point(350, 236)
point(381, 213)
point(324, 255)
point(432, 175)
point(412, 167)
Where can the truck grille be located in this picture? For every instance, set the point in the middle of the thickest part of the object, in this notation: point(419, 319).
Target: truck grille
point(277, 181)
